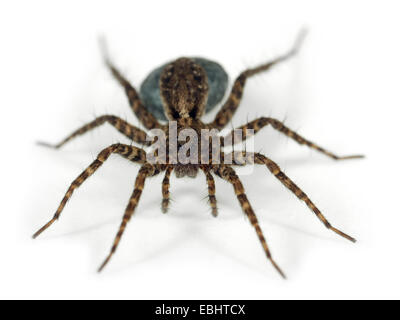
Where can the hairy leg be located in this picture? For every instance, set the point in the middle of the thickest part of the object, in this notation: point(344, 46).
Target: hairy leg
point(144, 116)
point(165, 190)
point(131, 153)
point(145, 171)
point(211, 191)
point(228, 174)
point(288, 183)
point(122, 126)
point(256, 125)
point(230, 106)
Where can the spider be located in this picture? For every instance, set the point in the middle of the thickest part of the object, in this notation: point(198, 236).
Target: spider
point(183, 87)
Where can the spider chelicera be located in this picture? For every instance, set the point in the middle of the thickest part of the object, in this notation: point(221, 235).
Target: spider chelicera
point(184, 86)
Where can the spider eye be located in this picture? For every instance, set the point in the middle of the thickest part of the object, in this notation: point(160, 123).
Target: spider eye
point(175, 114)
point(193, 113)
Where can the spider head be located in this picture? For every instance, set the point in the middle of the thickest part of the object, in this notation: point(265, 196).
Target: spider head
point(184, 89)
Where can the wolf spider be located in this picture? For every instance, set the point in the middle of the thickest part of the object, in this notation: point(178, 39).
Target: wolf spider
point(184, 88)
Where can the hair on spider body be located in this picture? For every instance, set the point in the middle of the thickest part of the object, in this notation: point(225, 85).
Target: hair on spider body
point(185, 89)
point(217, 80)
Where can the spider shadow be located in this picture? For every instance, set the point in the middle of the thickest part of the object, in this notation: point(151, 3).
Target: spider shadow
point(296, 241)
point(154, 253)
point(290, 260)
point(185, 190)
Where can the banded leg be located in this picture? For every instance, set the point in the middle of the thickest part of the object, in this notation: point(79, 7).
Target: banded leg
point(129, 152)
point(145, 117)
point(260, 123)
point(230, 106)
point(165, 190)
point(211, 192)
point(288, 183)
point(145, 171)
point(228, 174)
point(122, 126)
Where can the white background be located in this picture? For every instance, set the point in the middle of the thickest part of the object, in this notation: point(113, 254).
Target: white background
point(342, 92)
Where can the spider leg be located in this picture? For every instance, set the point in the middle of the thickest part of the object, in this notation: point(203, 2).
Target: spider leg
point(211, 191)
point(122, 126)
point(144, 116)
point(228, 174)
point(230, 106)
point(288, 183)
point(131, 153)
point(145, 171)
point(165, 190)
point(260, 123)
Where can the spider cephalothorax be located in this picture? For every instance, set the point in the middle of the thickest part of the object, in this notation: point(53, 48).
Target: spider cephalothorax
point(184, 85)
